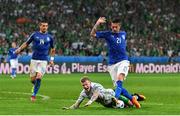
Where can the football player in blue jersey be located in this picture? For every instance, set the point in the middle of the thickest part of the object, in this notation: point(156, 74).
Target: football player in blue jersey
point(42, 44)
point(118, 64)
point(13, 59)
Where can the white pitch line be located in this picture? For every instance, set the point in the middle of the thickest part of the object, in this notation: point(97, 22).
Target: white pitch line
point(159, 104)
point(22, 93)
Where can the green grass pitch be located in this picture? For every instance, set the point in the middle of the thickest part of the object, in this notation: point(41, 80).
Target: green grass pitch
point(161, 90)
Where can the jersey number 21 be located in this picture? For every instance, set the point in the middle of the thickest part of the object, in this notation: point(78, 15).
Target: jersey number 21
point(118, 40)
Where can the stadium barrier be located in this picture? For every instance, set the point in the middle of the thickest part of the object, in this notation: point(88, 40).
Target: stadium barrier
point(77, 64)
point(99, 59)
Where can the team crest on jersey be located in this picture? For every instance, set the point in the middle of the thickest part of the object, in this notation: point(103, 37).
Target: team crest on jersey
point(123, 36)
point(48, 39)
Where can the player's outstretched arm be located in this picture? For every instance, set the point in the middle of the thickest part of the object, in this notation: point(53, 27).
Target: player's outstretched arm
point(98, 22)
point(74, 106)
point(77, 103)
point(70, 108)
point(93, 98)
point(22, 47)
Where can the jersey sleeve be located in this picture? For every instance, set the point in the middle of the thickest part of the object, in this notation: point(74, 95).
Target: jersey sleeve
point(102, 34)
point(124, 35)
point(9, 52)
point(81, 97)
point(30, 39)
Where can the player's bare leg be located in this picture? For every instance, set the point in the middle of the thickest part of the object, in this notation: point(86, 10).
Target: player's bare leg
point(33, 79)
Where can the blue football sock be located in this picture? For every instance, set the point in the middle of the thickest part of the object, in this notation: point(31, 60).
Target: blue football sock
point(118, 89)
point(36, 87)
point(13, 71)
point(126, 94)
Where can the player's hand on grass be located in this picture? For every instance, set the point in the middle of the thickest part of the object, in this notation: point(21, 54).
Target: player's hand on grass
point(101, 20)
point(87, 104)
point(65, 108)
point(70, 108)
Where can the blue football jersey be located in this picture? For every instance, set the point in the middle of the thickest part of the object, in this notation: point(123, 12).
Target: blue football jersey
point(116, 45)
point(41, 43)
point(12, 54)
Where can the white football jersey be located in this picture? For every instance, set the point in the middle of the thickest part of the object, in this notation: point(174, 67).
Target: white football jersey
point(105, 95)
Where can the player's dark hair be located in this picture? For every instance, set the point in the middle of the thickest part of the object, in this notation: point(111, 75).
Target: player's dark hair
point(42, 20)
point(84, 78)
point(116, 20)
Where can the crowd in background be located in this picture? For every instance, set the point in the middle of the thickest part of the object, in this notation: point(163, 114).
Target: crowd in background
point(152, 26)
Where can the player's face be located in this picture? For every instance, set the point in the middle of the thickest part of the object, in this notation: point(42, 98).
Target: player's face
point(86, 85)
point(43, 27)
point(115, 27)
point(13, 45)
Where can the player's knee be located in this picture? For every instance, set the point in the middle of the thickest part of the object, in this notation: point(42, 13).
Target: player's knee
point(33, 78)
point(38, 76)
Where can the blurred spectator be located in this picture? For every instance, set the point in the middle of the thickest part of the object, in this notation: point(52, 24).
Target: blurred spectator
point(152, 26)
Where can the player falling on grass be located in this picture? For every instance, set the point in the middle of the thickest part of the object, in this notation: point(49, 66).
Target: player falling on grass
point(95, 92)
point(42, 43)
point(13, 59)
point(118, 64)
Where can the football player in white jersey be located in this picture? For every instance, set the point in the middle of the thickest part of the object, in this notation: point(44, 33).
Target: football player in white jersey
point(95, 92)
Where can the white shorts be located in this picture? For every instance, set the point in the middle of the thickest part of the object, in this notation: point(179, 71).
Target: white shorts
point(14, 63)
point(120, 67)
point(37, 66)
